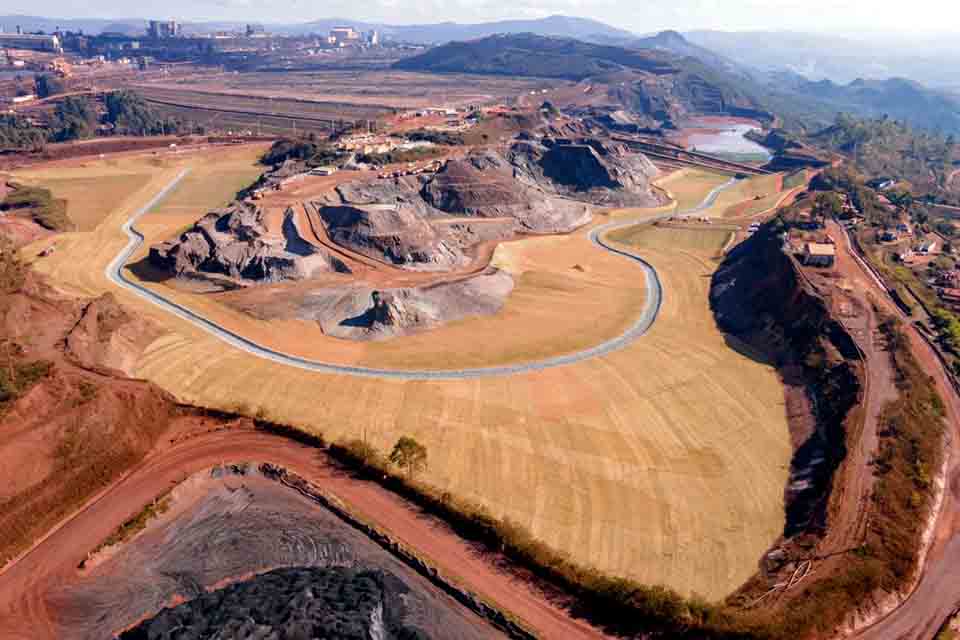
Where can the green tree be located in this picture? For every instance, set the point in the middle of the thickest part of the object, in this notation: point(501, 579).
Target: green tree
point(50, 85)
point(948, 325)
point(129, 113)
point(409, 455)
point(76, 118)
point(17, 133)
point(828, 204)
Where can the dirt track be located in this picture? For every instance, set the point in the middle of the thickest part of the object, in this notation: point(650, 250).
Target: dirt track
point(24, 586)
point(848, 524)
point(938, 592)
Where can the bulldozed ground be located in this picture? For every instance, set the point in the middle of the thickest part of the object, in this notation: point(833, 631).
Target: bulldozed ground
point(686, 431)
point(280, 103)
point(323, 92)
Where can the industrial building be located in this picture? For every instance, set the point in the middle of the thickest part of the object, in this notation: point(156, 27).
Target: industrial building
point(344, 36)
point(819, 254)
point(33, 42)
point(163, 29)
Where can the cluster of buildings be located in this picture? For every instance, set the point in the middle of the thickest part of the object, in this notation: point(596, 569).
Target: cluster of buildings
point(350, 37)
point(366, 143)
point(166, 40)
point(371, 144)
point(948, 288)
point(412, 169)
point(806, 239)
point(51, 43)
point(922, 251)
point(163, 29)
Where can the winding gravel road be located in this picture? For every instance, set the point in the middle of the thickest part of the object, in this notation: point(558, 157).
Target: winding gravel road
point(115, 272)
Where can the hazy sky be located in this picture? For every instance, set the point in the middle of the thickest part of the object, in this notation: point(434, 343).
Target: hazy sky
point(636, 15)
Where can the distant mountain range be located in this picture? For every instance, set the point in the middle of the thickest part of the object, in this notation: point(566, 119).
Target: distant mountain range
point(898, 98)
point(673, 42)
point(932, 60)
point(528, 54)
point(693, 80)
point(655, 82)
point(580, 28)
point(803, 77)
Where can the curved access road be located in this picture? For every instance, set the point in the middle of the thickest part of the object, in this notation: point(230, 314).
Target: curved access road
point(28, 587)
point(654, 296)
point(936, 595)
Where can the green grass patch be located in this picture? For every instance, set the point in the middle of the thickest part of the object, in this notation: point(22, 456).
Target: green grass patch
point(16, 378)
point(646, 236)
point(40, 205)
point(795, 179)
point(744, 158)
point(910, 451)
point(137, 523)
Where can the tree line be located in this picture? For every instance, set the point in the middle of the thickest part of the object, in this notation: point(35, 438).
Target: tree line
point(122, 112)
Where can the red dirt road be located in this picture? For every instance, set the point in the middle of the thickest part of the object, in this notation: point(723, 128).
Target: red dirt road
point(938, 592)
point(26, 614)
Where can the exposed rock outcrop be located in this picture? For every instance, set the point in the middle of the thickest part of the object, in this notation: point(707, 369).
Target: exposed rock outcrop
point(233, 245)
point(758, 296)
point(107, 336)
point(429, 223)
point(591, 170)
point(394, 233)
point(485, 184)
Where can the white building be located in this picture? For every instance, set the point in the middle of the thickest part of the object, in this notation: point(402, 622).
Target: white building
point(343, 36)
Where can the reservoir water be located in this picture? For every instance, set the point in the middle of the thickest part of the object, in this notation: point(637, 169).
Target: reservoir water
point(727, 139)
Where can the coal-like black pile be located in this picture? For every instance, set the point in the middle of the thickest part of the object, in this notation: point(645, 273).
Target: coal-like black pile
point(291, 604)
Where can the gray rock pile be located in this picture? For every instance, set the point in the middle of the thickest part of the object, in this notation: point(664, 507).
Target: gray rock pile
point(233, 244)
point(393, 233)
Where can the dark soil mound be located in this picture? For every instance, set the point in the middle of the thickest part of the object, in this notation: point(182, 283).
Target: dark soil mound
point(291, 604)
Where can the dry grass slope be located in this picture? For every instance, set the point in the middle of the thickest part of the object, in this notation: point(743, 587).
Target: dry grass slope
point(664, 462)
